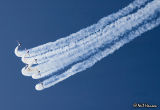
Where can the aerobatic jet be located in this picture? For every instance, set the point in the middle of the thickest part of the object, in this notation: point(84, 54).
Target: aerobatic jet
point(35, 61)
point(19, 44)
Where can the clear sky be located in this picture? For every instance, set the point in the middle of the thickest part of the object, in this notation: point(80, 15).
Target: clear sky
point(130, 75)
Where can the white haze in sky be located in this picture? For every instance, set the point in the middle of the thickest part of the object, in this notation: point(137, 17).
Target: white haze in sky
point(67, 56)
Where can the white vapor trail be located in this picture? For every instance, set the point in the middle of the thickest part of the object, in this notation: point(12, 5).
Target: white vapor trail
point(91, 61)
point(75, 37)
point(79, 51)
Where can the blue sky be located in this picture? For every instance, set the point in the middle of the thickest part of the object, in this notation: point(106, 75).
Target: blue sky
point(129, 75)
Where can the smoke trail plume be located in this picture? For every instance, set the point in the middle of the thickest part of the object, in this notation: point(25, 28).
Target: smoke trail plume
point(75, 53)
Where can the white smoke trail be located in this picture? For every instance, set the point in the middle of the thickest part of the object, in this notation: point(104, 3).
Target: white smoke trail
point(61, 44)
point(91, 61)
point(44, 58)
point(83, 49)
point(109, 34)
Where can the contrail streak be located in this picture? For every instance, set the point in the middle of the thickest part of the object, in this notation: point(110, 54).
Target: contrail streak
point(93, 42)
point(75, 37)
point(91, 61)
point(79, 51)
